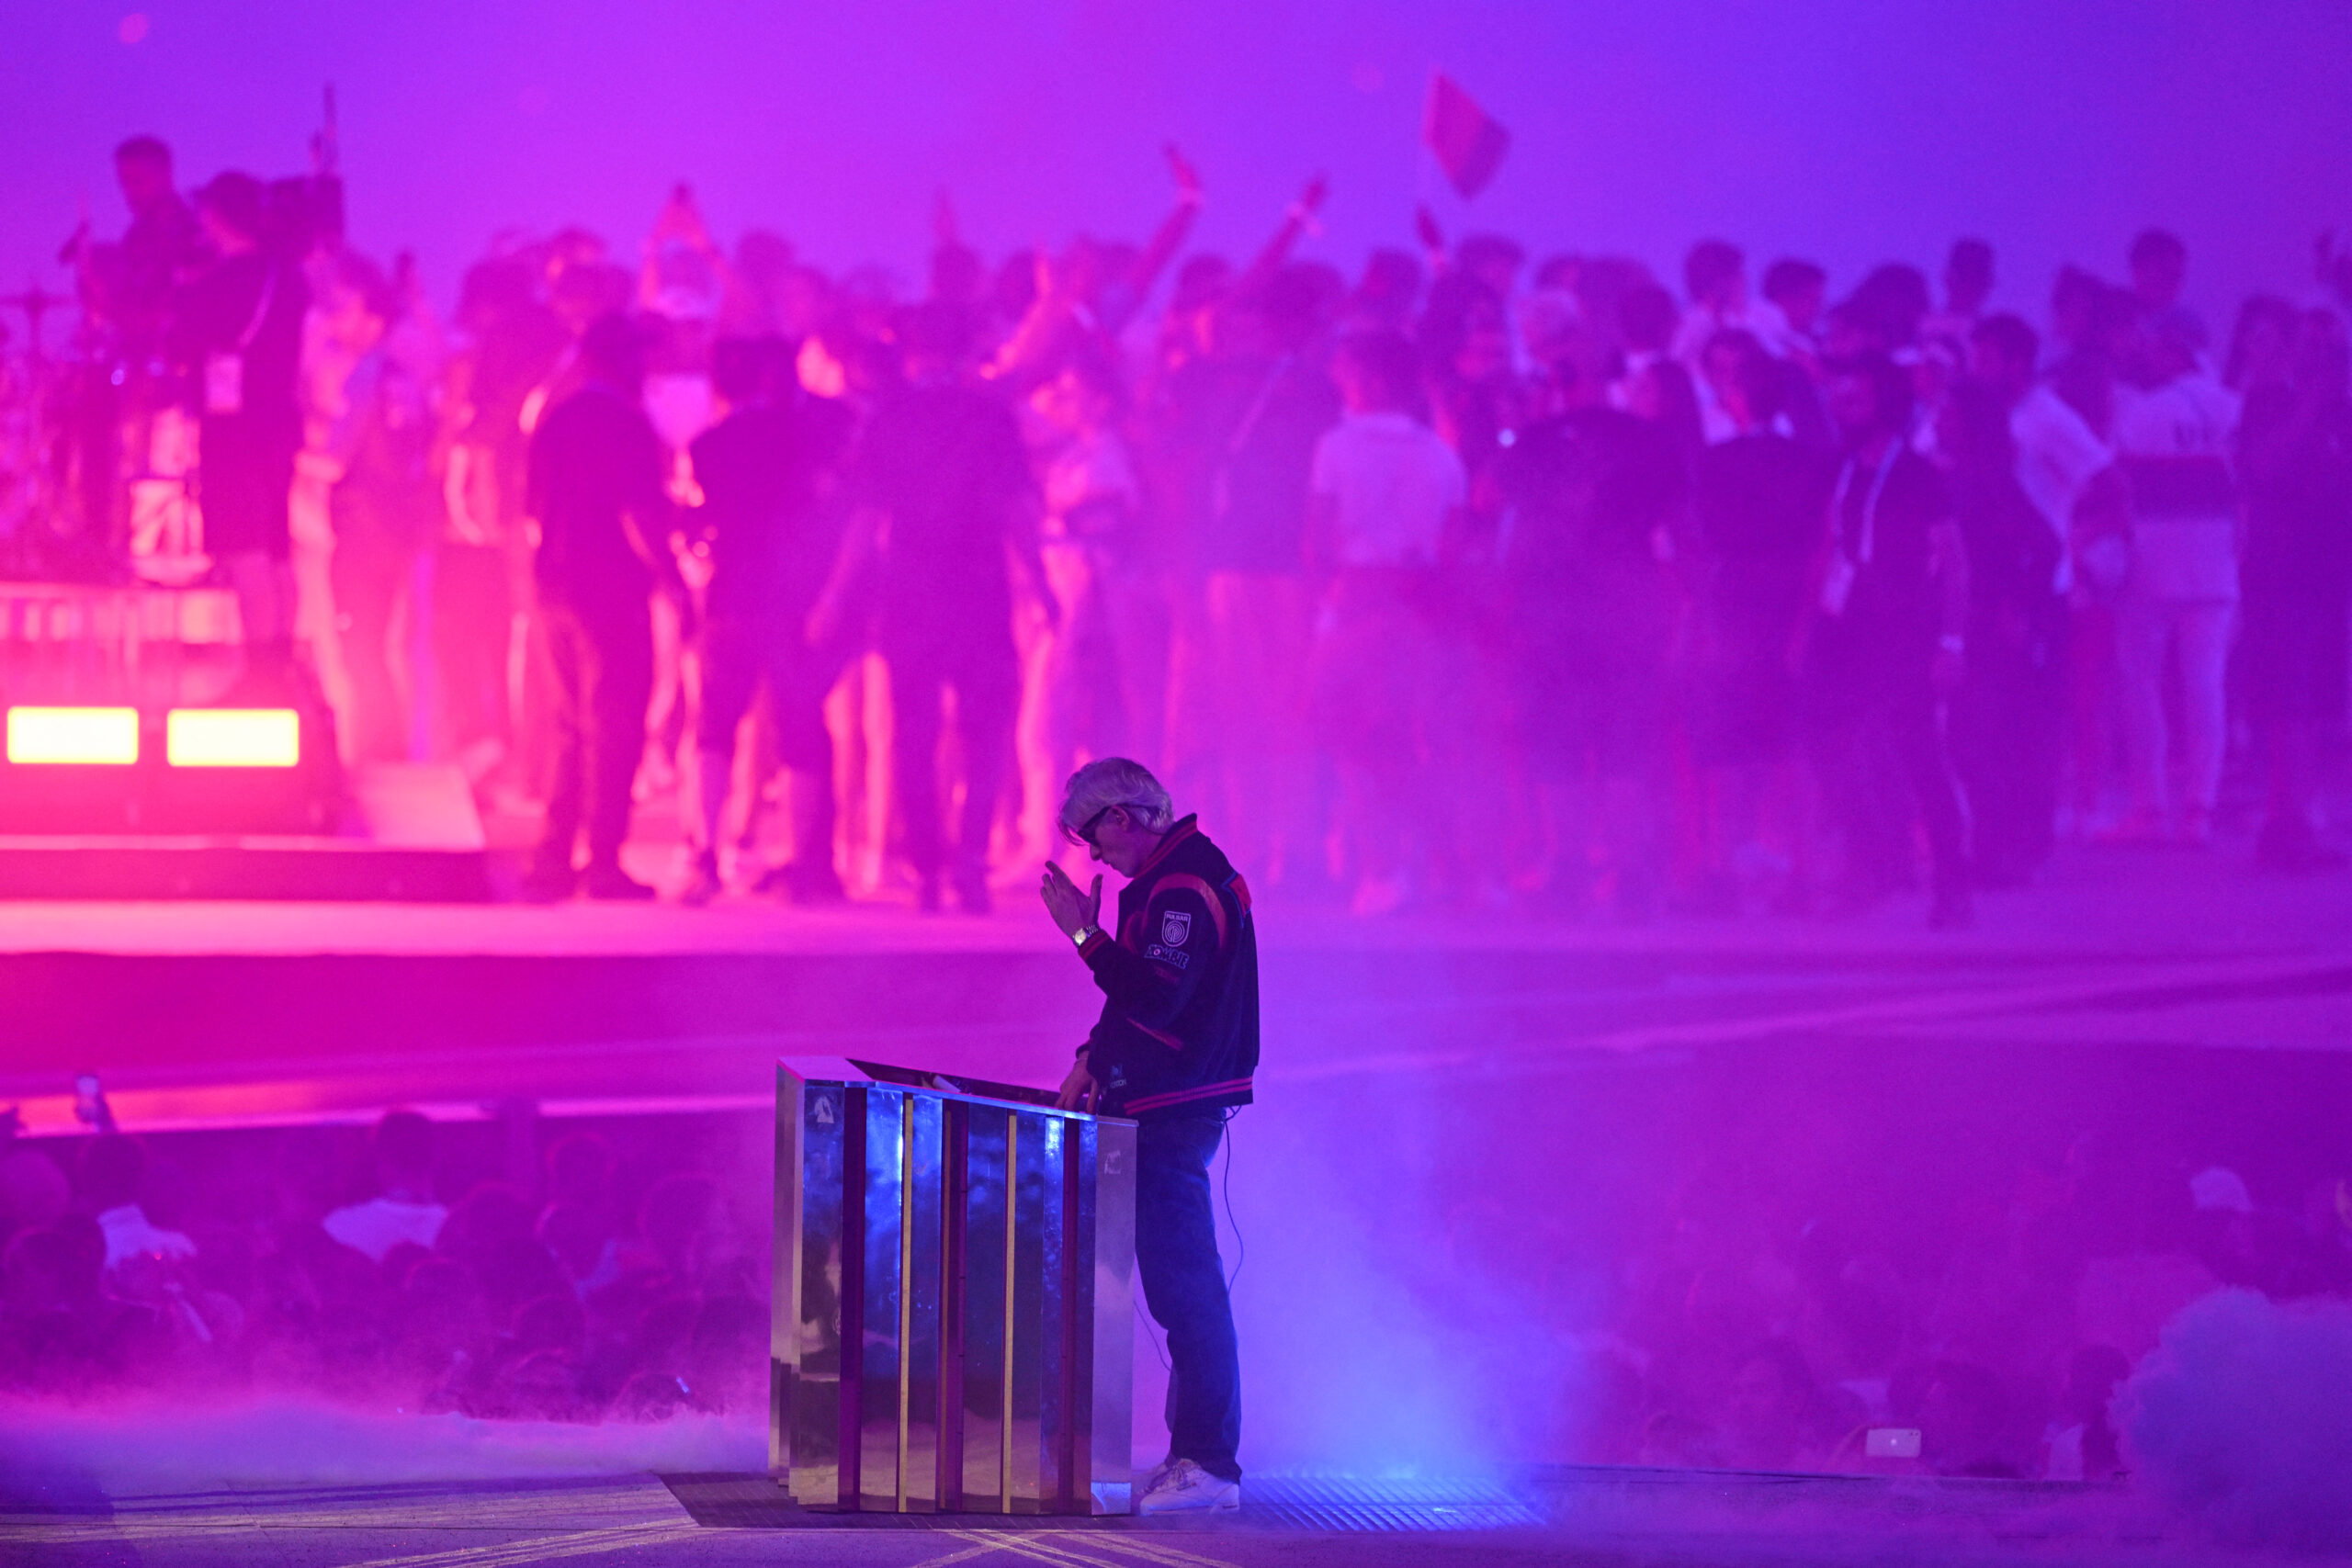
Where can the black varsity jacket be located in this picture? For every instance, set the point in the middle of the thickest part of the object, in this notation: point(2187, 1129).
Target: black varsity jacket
point(1179, 1031)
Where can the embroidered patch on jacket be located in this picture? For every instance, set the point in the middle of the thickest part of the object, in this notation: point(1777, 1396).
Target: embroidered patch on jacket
point(1175, 927)
point(1168, 955)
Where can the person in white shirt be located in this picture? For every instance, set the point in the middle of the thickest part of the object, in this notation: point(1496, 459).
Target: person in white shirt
point(403, 1210)
point(2175, 436)
point(1384, 495)
point(113, 1177)
point(2067, 472)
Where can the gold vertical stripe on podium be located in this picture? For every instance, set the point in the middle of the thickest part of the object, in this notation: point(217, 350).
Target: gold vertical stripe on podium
point(906, 1279)
point(1011, 1215)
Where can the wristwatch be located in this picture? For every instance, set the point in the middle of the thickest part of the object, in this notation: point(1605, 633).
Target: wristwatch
point(1083, 935)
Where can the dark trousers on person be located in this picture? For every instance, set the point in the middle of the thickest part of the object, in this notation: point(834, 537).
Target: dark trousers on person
point(1881, 761)
point(986, 685)
point(739, 655)
point(2009, 724)
point(602, 659)
point(1183, 1284)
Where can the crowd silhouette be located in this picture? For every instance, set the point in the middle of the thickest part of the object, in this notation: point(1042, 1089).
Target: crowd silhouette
point(1474, 581)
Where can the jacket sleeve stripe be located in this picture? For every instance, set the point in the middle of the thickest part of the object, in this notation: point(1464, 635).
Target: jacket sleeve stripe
point(1183, 1096)
point(1168, 1039)
point(1189, 882)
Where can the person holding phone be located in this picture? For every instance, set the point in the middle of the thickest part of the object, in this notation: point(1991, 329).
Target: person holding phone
point(1175, 1048)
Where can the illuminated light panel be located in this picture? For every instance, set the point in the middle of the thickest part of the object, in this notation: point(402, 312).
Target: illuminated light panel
point(107, 737)
point(232, 737)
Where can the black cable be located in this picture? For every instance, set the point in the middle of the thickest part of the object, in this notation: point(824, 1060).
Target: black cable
point(1241, 1247)
point(1151, 1339)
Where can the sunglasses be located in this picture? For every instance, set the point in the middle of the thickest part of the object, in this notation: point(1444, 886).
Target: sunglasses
point(1085, 833)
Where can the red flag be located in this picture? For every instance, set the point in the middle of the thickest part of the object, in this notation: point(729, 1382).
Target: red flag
point(1469, 143)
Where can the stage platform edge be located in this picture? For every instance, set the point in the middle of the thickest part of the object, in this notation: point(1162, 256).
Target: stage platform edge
point(412, 834)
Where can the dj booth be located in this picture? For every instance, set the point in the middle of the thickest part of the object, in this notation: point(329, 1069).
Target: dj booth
point(954, 1320)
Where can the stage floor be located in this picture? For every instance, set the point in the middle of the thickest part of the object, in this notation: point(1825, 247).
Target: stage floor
point(211, 1013)
point(2093, 904)
point(1596, 1516)
point(1414, 1071)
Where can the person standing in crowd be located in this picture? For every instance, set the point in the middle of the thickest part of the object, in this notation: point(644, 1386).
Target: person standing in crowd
point(1475, 392)
point(1176, 1048)
point(386, 513)
point(1798, 289)
point(511, 343)
point(2262, 345)
point(1478, 405)
point(2295, 451)
point(1593, 493)
point(237, 331)
point(1888, 646)
point(1102, 690)
point(2159, 264)
point(1968, 283)
point(2072, 478)
point(127, 291)
point(1758, 505)
point(2176, 431)
point(1236, 435)
point(1469, 305)
point(765, 472)
point(1715, 279)
point(1651, 384)
point(2069, 472)
point(1384, 297)
point(2090, 322)
point(2005, 718)
point(942, 497)
point(1385, 494)
point(160, 251)
point(2090, 328)
point(597, 496)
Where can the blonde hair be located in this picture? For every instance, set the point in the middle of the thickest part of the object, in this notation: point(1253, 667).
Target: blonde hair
point(1114, 780)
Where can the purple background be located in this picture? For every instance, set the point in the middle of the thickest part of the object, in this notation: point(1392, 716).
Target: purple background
point(1847, 130)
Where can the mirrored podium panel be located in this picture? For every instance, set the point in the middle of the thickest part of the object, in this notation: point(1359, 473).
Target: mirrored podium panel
point(954, 1326)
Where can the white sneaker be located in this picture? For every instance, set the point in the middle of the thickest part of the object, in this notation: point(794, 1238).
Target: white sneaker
point(1184, 1487)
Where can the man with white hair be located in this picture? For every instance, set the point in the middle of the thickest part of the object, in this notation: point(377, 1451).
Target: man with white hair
point(1174, 1048)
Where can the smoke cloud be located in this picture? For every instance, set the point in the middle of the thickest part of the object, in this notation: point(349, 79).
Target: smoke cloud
point(2243, 1418)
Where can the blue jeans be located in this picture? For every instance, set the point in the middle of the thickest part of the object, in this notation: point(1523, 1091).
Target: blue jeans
point(1183, 1284)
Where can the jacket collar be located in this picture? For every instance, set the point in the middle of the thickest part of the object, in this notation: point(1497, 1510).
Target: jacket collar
point(1184, 828)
